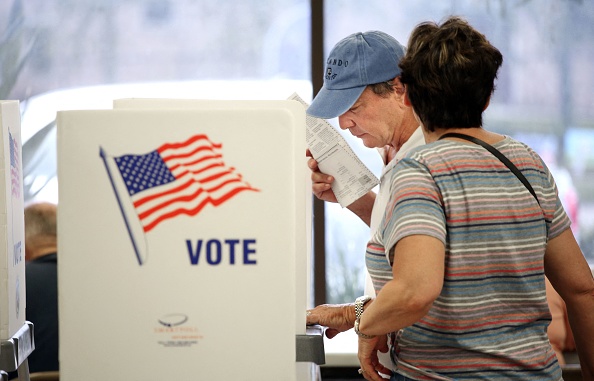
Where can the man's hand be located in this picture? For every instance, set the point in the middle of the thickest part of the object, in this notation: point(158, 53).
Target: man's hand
point(337, 317)
point(321, 182)
point(322, 188)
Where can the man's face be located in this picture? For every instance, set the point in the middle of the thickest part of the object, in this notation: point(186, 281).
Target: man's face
point(373, 118)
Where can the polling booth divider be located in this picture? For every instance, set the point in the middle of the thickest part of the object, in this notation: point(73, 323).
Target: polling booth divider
point(16, 334)
point(183, 240)
point(304, 263)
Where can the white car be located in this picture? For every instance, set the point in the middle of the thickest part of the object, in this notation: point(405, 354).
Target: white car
point(38, 113)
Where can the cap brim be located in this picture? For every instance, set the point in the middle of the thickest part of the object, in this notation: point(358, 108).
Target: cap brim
point(330, 104)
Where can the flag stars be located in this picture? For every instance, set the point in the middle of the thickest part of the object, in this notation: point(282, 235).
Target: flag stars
point(141, 172)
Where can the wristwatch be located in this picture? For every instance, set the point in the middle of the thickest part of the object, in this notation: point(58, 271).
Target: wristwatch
point(361, 334)
point(359, 304)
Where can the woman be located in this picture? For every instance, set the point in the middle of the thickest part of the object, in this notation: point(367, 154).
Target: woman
point(460, 259)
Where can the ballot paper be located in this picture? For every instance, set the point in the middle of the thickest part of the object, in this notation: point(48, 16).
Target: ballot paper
point(352, 178)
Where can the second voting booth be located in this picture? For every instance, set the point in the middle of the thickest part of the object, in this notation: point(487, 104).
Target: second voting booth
point(183, 241)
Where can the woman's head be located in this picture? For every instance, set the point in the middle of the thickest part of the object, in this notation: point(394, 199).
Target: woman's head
point(449, 71)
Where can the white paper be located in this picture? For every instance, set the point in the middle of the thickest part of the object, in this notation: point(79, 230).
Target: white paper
point(352, 179)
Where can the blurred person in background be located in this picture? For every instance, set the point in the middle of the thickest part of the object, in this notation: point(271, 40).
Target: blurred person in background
point(41, 277)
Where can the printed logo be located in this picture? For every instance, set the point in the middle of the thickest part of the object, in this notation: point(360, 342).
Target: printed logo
point(334, 62)
point(329, 75)
point(172, 320)
point(180, 178)
point(174, 332)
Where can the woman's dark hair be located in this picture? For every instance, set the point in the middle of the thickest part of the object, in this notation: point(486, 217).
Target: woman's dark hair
point(449, 71)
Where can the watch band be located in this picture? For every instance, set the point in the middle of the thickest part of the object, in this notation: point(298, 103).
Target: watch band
point(361, 334)
point(359, 306)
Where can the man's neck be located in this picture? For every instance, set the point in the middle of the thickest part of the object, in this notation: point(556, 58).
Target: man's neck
point(406, 131)
point(35, 254)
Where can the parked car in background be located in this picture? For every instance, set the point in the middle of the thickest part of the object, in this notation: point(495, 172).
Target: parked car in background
point(38, 126)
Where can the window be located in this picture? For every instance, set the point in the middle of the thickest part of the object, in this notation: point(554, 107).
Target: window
point(59, 54)
point(544, 97)
point(544, 93)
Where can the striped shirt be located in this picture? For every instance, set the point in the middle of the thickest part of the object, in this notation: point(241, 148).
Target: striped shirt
point(490, 320)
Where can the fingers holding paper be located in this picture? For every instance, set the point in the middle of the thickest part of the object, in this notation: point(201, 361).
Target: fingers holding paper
point(321, 182)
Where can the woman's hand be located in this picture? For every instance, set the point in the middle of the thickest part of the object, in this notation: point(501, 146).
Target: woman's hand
point(337, 317)
point(371, 368)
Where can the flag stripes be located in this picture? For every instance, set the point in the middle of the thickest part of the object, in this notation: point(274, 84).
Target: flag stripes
point(179, 179)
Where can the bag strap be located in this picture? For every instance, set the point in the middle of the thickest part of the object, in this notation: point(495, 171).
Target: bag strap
point(497, 154)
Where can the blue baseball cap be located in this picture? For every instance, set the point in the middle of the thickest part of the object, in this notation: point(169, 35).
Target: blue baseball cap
point(355, 62)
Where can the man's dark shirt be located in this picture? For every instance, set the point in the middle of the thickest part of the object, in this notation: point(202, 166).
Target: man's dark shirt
point(41, 278)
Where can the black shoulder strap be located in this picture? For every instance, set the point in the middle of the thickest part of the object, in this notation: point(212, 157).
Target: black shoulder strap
point(497, 154)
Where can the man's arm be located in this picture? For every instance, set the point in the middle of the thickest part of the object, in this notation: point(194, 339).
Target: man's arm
point(363, 207)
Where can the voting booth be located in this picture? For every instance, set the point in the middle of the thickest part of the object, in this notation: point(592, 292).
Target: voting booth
point(16, 334)
point(183, 241)
point(12, 249)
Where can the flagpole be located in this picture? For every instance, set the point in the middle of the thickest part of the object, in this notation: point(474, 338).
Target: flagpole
point(115, 191)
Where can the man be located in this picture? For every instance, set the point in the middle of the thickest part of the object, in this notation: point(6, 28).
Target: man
point(42, 284)
point(362, 88)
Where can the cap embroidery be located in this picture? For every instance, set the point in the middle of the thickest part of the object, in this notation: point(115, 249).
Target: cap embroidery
point(339, 62)
point(329, 75)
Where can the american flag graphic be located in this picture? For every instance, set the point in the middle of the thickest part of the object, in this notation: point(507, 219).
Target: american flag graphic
point(179, 179)
point(15, 174)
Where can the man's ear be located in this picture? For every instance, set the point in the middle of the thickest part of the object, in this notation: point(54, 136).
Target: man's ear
point(398, 86)
point(406, 100)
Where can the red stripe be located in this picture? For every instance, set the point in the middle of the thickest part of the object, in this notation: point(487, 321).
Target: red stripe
point(204, 158)
point(191, 140)
point(453, 274)
point(197, 209)
point(215, 176)
point(539, 213)
point(146, 199)
point(156, 208)
point(186, 154)
point(465, 327)
point(494, 366)
point(174, 213)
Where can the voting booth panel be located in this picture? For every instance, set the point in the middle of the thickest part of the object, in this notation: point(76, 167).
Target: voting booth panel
point(303, 262)
point(12, 249)
point(178, 242)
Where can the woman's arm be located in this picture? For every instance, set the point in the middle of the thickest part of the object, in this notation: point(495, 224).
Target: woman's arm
point(570, 275)
point(418, 272)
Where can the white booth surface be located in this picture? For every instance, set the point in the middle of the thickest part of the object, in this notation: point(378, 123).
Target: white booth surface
point(179, 237)
point(12, 249)
point(303, 262)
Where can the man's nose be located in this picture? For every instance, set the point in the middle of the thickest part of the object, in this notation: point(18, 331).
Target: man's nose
point(345, 123)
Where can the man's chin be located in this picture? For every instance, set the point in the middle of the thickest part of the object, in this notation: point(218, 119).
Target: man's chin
point(371, 144)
